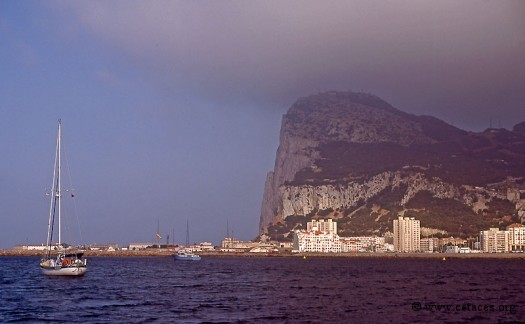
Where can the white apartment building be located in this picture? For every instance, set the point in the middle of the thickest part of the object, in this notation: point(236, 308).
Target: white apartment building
point(494, 240)
point(426, 244)
point(316, 241)
point(407, 234)
point(328, 226)
point(321, 236)
point(516, 237)
point(362, 243)
point(351, 245)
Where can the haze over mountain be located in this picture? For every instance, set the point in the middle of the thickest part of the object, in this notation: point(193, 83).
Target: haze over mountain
point(354, 157)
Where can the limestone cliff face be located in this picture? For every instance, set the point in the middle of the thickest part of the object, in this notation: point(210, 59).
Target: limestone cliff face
point(303, 200)
point(294, 153)
point(330, 117)
point(341, 150)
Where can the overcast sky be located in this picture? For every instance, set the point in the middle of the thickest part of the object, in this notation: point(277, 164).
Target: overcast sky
point(171, 110)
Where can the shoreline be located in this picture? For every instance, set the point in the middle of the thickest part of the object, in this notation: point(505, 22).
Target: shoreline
point(166, 252)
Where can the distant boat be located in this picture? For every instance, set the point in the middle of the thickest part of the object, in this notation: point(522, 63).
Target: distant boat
point(184, 255)
point(61, 263)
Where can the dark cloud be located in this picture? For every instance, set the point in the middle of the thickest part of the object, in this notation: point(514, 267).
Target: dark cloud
point(446, 58)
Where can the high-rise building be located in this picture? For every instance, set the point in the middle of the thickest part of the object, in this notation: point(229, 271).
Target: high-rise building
point(327, 226)
point(407, 234)
point(516, 237)
point(494, 240)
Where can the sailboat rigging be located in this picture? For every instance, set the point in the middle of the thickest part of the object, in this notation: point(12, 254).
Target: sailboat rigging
point(186, 254)
point(61, 264)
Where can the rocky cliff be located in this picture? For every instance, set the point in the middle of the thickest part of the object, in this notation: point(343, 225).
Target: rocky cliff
point(354, 157)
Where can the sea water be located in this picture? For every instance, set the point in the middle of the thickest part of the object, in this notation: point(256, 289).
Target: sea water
point(266, 289)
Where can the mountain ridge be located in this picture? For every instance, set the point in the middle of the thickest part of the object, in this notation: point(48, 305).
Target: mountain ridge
point(335, 144)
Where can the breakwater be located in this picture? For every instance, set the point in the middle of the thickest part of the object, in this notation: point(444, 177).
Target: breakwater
point(219, 254)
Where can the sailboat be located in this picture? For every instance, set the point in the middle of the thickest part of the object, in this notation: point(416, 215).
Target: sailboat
point(59, 263)
point(183, 254)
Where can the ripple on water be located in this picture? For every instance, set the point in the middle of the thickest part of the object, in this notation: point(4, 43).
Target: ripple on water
point(259, 290)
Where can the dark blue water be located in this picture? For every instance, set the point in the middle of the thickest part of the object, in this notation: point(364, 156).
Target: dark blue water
point(158, 289)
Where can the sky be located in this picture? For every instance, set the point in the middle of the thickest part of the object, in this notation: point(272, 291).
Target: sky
point(171, 110)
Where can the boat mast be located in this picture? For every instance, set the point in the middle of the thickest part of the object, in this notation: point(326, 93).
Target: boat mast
point(59, 189)
point(53, 194)
point(187, 232)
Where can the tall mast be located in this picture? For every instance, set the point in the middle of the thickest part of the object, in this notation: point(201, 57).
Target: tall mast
point(59, 189)
point(187, 232)
point(53, 194)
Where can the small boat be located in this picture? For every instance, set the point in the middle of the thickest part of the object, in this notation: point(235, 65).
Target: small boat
point(70, 264)
point(184, 255)
point(59, 261)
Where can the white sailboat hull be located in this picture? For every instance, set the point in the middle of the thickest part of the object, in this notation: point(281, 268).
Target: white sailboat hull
point(71, 264)
point(65, 271)
point(65, 263)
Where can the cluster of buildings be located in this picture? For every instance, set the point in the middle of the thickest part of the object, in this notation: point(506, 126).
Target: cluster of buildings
point(230, 244)
point(227, 245)
point(321, 236)
point(407, 239)
point(56, 246)
point(200, 247)
point(512, 239)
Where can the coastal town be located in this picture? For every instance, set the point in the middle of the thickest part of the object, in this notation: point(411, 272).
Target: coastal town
point(321, 237)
